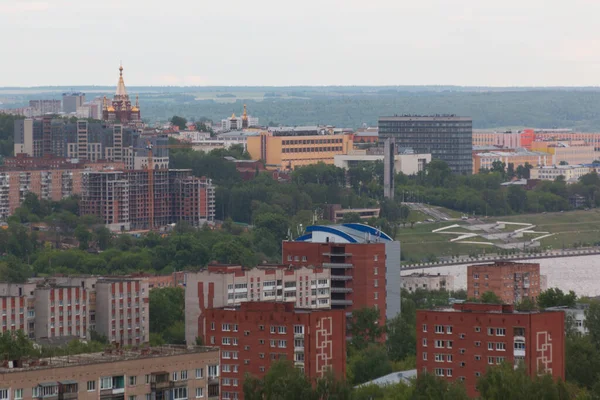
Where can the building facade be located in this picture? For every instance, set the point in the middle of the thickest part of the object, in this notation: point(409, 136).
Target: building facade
point(364, 264)
point(486, 160)
point(408, 164)
point(462, 342)
point(446, 137)
point(72, 101)
point(423, 281)
point(510, 281)
point(571, 173)
point(278, 150)
point(41, 107)
point(256, 334)
point(227, 286)
point(156, 373)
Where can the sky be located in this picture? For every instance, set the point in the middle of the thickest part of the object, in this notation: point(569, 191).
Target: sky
point(308, 42)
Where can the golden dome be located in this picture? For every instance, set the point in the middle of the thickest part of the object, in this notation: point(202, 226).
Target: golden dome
point(111, 109)
point(135, 109)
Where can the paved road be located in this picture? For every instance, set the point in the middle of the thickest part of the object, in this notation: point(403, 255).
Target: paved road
point(432, 212)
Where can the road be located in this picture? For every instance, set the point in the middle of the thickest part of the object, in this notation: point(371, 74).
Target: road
point(432, 212)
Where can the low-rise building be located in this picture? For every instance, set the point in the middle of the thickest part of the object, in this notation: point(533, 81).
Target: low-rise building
point(572, 152)
point(408, 164)
point(255, 334)
point(462, 342)
point(424, 281)
point(232, 285)
point(486, 160)
point(510, 281)
point(571, 173)
point(168, 372)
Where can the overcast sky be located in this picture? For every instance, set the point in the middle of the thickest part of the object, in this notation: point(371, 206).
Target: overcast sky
point(307, 42)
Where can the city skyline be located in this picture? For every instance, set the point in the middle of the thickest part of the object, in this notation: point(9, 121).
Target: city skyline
point(273, 44)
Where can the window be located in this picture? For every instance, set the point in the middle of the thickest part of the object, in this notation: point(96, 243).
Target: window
point(462, 335)
point(439, 329)
point(477, 358)
point(132, 380)
point(439, 372)
point(183, 375)
point(175, 376)
point(376, 296)
point(490, 331)
point(450, 343)
point(272, 343)
point(18, 394)
point(501, 346)
point(499, 360)
point(477, 329)
point(424, 356)
point(226, 355)
point(4, 394)
point(199, 393)
point(282, 330)
point(299, 329)
point(212, 326)
point(477, 344)
point(490, 360)
point(501, 332)
point(132, 397)
point(226, 382)
point(375, 283)
point(449, 372)
point(424, 327)
point(439, 358)
point(519, 346)
point(490, 346)
point(448, 329)
point(106, 383)
point(273, 329)
point(462, 351)
point(180, 393)
point(424, 342)
point(91, 386)
point(475, 276)
point(282, 344)
point(478, 374)
point(439, 344)
point(213, 371)
point(225, 327)
point(226, 340)
point(449, 358)
point(199, 373)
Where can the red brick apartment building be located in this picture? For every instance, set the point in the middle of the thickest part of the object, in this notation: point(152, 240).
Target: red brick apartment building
point(357, 271)
point(510, 281)
point(255, 334)
point(462, 342)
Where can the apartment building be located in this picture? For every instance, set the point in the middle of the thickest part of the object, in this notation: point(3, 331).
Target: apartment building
point(253, 335)
point(157, 373)
point(572, 152)
point(571, 173)
point(511, 281)
point(462, 342)
point(419, 280)
point(228, 286)
point(364, 264)
point(17, 307)
point(61, 311)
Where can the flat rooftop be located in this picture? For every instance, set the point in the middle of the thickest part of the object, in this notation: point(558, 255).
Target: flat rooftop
point(108, 356)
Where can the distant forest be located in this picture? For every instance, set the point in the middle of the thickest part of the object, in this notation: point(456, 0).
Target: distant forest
point(577, 108)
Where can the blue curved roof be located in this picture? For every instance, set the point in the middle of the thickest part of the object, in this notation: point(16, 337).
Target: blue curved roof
point(352, 233)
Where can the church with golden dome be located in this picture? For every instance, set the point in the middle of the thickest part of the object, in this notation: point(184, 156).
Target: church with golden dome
point(120, 109)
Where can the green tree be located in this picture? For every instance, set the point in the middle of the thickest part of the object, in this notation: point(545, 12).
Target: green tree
point(364, 327)
point(179, 122)
point(351, 217)
point(490, 298)
point(282, 382)
point(592, 323)
point(429, 387)
point(401, 338)
point(582, 361)
point(167, 311)
point(368, 363)
point(554, 297)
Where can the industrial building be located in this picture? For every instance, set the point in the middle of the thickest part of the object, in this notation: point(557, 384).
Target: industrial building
point(254, 335)
point(446, 137)
point(462, 342)
point(231, 285)
point(364, 264)
point(165, 372)
point(510, 281)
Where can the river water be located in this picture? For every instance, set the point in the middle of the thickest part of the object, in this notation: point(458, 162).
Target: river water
point(580, 274)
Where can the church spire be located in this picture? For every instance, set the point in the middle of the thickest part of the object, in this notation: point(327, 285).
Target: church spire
point(121, 91)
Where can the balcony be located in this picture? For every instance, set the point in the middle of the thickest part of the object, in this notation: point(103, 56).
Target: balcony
point(160, 381)
point(213, 380)
point(337, 265)
point(341, 302)
point(341, 290)
point(341, 277)
point(519, 353)
point(337, 254)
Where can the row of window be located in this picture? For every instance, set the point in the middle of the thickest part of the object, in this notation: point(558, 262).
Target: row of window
point(448, 330)
point(311, 141)
point(288, 284)
point(282, 330)
point(311, 149)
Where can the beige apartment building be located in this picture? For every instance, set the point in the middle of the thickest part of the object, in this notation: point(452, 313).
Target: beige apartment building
point(158, 373)
point(424, 281)
point(228, 285)
point(61, 311)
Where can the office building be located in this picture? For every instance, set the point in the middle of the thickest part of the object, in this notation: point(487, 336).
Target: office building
point(446, 137)
point(572, 153)
point(254, 335)
point(571, 173)
point(407, 163)
point(421, 281)
point(510, 281)
point(72, 101)
point(364, 264)
point(229, 285)
point(288, 148)
point(157, 373)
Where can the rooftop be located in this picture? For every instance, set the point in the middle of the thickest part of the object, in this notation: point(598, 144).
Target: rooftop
point(393, 378)
point(108, 356)
point(350, 233)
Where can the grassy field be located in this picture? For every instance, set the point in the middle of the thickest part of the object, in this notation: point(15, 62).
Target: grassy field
point(571, 229)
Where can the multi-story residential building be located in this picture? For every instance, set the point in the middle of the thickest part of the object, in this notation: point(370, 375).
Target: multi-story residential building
point(571, 173)
point(507, 140)
point(446, 137)
point(72, 101)
point(41, 107)
point(364, 264)
point(122, 309)
point(255, 334)
point(157, 373)
point(61, 311)
point(284, 150)
point(574, 317)
point(418, 280)
point(486, 160)
point(510, 281)
point(227, 286)
point(572, 153)
point(23, 137)
point(462, 342)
